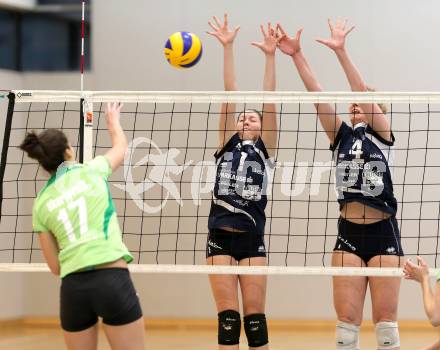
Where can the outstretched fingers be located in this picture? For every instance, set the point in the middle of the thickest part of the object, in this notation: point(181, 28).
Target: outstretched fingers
point(323, 41)
point(421, 262)
point(213, 26)
point(270, 30)
point(262, 30)
point(257, 44)
point(217, 22)
point(330, 25)
point(349, 30)
point(225, 19)
point(281, 29)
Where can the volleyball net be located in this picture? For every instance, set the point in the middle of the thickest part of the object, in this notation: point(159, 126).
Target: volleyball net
point(163, 191)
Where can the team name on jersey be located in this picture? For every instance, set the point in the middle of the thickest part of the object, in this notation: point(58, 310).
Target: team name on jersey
point(67, 196)
point(376, 155)
point(232, 176)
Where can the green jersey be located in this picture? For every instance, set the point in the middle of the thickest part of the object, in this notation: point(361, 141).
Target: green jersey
point(76, 206)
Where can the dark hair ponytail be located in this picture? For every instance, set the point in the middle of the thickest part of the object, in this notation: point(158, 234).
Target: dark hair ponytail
point(47, 148)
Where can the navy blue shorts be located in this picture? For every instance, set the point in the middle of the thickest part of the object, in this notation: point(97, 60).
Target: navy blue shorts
point(106, 293)
point(239, 245)
point(369, 240)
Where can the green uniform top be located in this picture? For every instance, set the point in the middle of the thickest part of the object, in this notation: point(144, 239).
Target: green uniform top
point(76, 206)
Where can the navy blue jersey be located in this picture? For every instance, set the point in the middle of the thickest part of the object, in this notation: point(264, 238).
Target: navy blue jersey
point(363, 159)
point(239, 196)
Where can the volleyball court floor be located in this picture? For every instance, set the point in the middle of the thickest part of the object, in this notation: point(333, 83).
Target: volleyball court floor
point(36, 338)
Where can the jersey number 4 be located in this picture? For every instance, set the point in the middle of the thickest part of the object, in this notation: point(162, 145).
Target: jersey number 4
point(63, 216)
point(356, 149)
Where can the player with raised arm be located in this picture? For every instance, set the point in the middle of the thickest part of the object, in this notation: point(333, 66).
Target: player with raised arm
point(81, 241)
point(237, 218)
point(368, 233)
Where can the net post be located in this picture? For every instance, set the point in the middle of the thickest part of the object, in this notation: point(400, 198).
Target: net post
point(6, 137)
point(87, 129)
point(81, 132)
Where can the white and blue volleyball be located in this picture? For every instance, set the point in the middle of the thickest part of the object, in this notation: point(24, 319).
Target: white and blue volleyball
point(183, 49)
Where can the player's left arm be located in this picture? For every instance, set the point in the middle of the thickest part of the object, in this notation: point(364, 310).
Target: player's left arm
point(50, 249)
point(376, 119)
point(269, 127)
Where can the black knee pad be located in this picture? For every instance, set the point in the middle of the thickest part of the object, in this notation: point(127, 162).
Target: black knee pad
point(256, 330)
point(229, 327)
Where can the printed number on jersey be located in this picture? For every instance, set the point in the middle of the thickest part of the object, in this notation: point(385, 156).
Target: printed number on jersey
point(63, 215)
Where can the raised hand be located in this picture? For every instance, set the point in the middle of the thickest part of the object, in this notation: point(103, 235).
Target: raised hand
point(270, 40)
point(222, 32)
point(113, 112)
point(288, 45)
point(338, 33)
point(415, 272)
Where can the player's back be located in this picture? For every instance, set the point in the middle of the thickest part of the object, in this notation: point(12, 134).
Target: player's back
point(77, 208)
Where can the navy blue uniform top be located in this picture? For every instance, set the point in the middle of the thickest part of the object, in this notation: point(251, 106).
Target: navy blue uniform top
point(363, 159)
point(239, 196)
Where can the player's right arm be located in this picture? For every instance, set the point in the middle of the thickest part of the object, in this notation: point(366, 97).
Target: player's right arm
point(226, 38)
point(48, 243)
point(291, 46)
point(116, 154)
point(49, 247)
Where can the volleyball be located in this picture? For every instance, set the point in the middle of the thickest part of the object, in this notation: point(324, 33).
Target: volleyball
point(183, 49)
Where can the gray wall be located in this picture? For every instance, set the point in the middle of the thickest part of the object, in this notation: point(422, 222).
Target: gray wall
point(394, 46)
point(391, 53)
